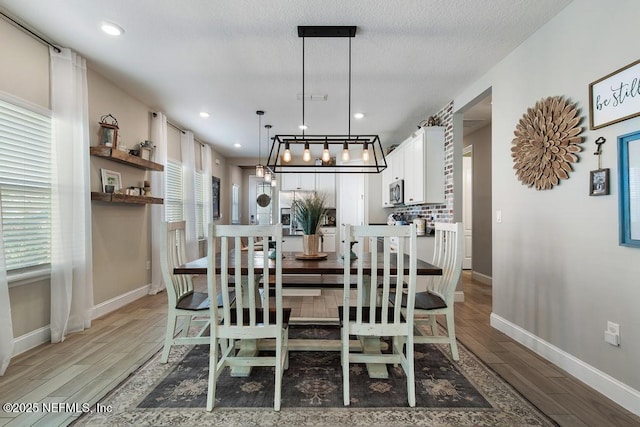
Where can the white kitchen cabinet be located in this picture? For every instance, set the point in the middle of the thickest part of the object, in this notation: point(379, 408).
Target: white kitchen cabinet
point(393, 172)
point(326, 184)
point(423, 155)
point(292, 244)
point(298, 181)
point(328, 239)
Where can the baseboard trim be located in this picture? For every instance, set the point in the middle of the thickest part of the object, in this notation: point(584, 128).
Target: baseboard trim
point(482, 278)
point(458, 297)
point(297, 292)
point(31, 339)
point(615, 390)
point(119, 301)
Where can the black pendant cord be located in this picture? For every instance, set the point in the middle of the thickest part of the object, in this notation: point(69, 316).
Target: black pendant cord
point(31, 33)
point(303, 122)
point(349, 87)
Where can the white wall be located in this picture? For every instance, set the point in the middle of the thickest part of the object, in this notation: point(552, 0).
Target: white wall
point(558, 271)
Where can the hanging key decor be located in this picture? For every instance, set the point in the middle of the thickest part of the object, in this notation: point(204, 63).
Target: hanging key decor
point(599, 178)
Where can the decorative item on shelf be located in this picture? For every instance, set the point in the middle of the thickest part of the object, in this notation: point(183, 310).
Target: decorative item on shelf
point(433, 121)
point(545, 143)
point(308, 213)
point(599, 178)
point(111, 179)
point(292, 153)
point(146, 186)
point(145, 150)
point(108, 133)
point(352, 254)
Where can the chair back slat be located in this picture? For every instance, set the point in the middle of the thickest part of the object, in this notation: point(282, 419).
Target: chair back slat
point(254, 283)
point(448, 253)
point(172, 256)
point(373, 291)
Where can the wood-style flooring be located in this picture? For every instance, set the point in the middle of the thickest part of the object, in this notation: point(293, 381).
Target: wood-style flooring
point(87, 365)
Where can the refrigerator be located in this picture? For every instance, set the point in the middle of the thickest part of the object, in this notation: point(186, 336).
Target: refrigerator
point(287, 216)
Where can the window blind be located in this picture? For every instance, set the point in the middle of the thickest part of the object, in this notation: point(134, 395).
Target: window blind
point(25, 185)
point(173, 197)
point(199, 190)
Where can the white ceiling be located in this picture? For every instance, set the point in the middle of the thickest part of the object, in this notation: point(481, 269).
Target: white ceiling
point(233, 57)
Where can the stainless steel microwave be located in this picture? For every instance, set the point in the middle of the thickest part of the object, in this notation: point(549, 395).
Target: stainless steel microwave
point(396, 192)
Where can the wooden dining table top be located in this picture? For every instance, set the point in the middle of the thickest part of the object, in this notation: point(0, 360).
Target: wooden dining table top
point(332, 264)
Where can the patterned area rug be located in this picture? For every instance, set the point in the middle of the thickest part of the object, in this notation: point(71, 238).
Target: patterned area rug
point(448, 393)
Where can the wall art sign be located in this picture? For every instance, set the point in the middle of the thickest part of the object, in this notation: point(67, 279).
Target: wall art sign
point(615, 97)
point(629, 167)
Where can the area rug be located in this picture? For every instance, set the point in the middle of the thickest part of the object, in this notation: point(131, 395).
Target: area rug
point(448, 393)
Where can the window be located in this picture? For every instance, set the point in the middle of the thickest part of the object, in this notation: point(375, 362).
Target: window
point(25, 185)
point(173, 199)
point(199, 190)
point(235, 204)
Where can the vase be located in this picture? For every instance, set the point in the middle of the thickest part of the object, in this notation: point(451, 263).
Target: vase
point(310, 244)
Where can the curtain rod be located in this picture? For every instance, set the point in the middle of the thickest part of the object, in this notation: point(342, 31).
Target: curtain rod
point(30, 32)
point(170, 124)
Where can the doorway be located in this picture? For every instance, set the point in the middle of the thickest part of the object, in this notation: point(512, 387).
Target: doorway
point(476, 180)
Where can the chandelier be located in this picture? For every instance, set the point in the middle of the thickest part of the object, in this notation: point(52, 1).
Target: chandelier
point(293, 153)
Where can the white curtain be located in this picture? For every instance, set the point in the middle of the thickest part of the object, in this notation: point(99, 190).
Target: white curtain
point(188, 151)
point(206, 168)
point(71, 262)
point(159, 140)
point(6, 327)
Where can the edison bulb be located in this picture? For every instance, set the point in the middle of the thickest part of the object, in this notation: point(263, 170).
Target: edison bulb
point(326, 156)
point(286, 156)
point(345, 152)
point(365, 154)
point(306, 156)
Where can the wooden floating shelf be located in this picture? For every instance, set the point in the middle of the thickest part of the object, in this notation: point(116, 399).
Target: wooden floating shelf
point(125, 158)
point(123, 198)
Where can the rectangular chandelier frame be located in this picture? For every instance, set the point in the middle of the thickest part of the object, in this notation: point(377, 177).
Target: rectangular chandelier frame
point(335, 143)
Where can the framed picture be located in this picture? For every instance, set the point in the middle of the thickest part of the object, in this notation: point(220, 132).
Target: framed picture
point(215, 197)
point(599, 182)
point(629, 167)
point(111, 181)
point(613, 98)
point(109, 135)
point(145, 153)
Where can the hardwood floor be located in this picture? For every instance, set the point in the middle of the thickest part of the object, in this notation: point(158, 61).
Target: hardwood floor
point(87, 365)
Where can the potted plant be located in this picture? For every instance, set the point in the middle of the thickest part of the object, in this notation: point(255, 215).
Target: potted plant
point(308, 212)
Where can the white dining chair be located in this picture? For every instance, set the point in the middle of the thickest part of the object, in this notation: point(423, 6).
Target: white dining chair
point(370, 314)
point(184, 301)
point(438, 299)
point(253, 317)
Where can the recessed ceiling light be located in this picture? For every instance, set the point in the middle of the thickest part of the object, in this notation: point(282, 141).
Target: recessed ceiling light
point(111, 28)
point(237, 145)
point(303, 127)
point(358, 115)
point(204, 115)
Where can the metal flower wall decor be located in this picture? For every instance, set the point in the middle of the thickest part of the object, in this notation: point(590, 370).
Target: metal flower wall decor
point(545, 143)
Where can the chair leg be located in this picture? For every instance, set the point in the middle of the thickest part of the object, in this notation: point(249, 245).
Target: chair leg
point(186, 325)
point(411, 379)
point(434, 325)
point(451, 332)
point(168, 338)
point(345, 366)
point(279, 363)
point(213, 374)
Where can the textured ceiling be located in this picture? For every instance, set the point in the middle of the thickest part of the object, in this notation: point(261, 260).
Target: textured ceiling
point(233, 57)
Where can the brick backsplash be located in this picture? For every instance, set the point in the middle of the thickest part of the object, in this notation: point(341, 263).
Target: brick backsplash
point(441, 212)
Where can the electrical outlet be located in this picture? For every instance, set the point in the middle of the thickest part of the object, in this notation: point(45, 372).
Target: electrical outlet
point(498, 216)
point(148, 265)
point(612, 334)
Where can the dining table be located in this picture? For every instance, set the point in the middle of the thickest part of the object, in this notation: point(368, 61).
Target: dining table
point(325, 272)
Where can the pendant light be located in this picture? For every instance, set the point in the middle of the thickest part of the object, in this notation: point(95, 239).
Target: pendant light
point(267, 172)
point(259, 167)
point(287, 154)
